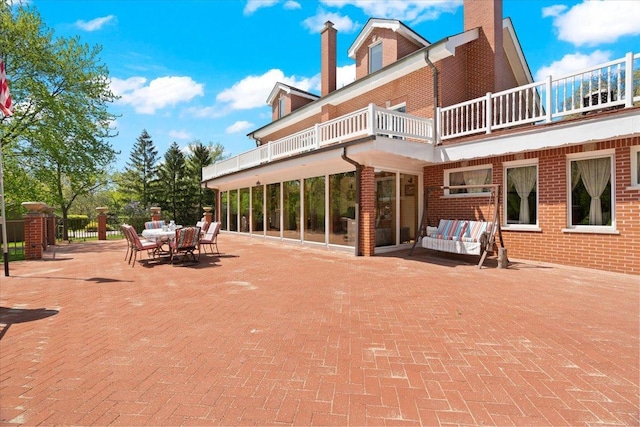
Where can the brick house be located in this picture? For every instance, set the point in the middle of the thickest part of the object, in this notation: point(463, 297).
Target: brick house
point(350, 169)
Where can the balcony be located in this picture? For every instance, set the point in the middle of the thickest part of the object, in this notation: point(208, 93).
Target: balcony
point(615, 84)
point(371, 120)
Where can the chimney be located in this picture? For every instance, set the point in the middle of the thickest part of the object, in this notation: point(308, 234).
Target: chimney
point(328, 58)
point(487, 15)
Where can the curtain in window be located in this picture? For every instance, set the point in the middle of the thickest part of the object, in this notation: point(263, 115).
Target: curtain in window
point(524, 179)
point(595, 175)
point(476, 177)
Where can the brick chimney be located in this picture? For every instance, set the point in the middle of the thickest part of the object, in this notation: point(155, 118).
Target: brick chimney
point(328, 58)
point(486, 66)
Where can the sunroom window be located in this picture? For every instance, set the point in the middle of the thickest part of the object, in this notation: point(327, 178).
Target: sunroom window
point(521, 193)
point(375, 57)
point(590, 196)
point(476, 175)
point(281, 107)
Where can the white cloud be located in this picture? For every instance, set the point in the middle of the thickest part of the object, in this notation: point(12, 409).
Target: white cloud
point(572, 63)
point(253, 5)
point(159, 93)
point(411, 11)
point(94, 24)
point(291, 5)
point(239, 126)
point(253, 91)
point(179, 134)
point(345, 75)
point(343, 24)
point(554, 10)
point(597, 21)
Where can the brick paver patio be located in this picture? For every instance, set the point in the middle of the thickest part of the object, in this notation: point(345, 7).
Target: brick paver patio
point(272, 334)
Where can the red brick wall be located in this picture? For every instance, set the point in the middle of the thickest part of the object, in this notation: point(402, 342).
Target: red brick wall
point(367, 228)
point(612, 252)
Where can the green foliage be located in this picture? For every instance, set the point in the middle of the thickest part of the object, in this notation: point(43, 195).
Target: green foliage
point(78, 222)
point(139, 179)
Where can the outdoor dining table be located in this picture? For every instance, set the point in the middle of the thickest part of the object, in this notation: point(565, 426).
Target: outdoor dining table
point(160, 235)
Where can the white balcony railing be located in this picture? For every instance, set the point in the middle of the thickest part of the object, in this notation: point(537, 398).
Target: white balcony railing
point(614, 84)
point(370, 120)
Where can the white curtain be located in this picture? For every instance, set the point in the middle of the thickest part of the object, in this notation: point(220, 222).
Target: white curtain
point(476, 177)
point(595, 175)
point(524, 179)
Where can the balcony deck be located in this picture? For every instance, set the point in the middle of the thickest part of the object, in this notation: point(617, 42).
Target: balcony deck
point(614, 84)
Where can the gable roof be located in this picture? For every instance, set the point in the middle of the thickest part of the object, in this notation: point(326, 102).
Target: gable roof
point(290, 90)
point(391, 24)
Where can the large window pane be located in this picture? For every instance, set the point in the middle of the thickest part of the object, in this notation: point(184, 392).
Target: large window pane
point(273, 210)
point(591, 201)
point(522, 195)
point(257, 217)
point(468, 176)
point(314, 209)
point(408, 207)
point(385, 208)
point(233, 210)
point(342, 209)
point(223, 210)
point(244, 210)
point(291, 205)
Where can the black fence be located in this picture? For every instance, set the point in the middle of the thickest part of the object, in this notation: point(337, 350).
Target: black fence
point(87, 228)
point(15, 239)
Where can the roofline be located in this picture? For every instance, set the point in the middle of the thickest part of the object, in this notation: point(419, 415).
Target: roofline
point(290, 90)
point(392, 24)
point(508, 24)
point(412, 62)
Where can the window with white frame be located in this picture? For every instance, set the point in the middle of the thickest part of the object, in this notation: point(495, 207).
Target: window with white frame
point(281, 106)
point(591, 183)
point(635, 166)
point(375, 57)
point(474, 175)
point(521, 193)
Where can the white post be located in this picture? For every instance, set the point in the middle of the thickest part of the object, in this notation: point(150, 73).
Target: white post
point(316, 132)
point(372, 117)
point(547, 101)
point(489, 112)
point(628, 81)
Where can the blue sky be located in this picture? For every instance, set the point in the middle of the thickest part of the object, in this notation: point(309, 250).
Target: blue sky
point(203, 69)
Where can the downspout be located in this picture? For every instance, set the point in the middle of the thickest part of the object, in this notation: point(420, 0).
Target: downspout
point(436, 140)
point(359, 168)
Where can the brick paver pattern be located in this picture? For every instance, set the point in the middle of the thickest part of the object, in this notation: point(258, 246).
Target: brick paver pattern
point(273, 334)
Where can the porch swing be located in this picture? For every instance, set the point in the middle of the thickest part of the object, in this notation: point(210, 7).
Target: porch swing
point(461, 236)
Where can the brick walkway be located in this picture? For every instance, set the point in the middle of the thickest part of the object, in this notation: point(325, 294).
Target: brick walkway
point(271, 334)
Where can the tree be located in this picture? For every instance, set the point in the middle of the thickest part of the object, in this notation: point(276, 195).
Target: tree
point(177, 194)
point(61, 93)
point(141, 171)
point(200, 157)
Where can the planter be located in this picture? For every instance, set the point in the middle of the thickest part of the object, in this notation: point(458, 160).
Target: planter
point(33, 207)
point(102, 210)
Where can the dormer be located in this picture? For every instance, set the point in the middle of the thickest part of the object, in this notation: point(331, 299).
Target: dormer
point(382, 42)
point(284, 99)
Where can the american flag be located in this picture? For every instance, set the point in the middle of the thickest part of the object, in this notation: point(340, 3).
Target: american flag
point(5, 96)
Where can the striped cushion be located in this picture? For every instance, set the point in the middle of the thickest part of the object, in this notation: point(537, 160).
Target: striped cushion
point(450, 229)
point(153, 224)
point(475, 230)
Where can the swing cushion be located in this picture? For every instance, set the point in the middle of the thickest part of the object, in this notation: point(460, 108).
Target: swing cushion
point(457, 236)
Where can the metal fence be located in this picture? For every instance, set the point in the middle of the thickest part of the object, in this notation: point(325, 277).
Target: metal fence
point(84, 229)
point(15, 238)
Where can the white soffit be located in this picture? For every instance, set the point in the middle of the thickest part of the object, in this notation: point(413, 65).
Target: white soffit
point(290, 90)
point(543, 137)
point(514, 54)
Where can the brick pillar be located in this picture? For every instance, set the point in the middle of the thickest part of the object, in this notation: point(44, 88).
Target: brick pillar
point(367, 211)
point(51, 229)
point(102, 223)
point(155, 214)
point(208, 215)
point(33, 235)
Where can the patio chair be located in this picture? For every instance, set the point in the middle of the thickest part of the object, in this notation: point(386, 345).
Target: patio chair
point(204, 226)
point(138, 245)
point(153, 224)
point(125, 233)
point(186, 243)
point(211, 237)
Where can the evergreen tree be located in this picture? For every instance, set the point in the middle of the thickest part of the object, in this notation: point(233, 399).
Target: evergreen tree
point(177, 194)
point(141, 172)
point(200, 157)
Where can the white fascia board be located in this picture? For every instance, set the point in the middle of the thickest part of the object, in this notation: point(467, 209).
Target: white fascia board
point(290, 90)
point(393, 25)
point(543, 137)
point(514, 53)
